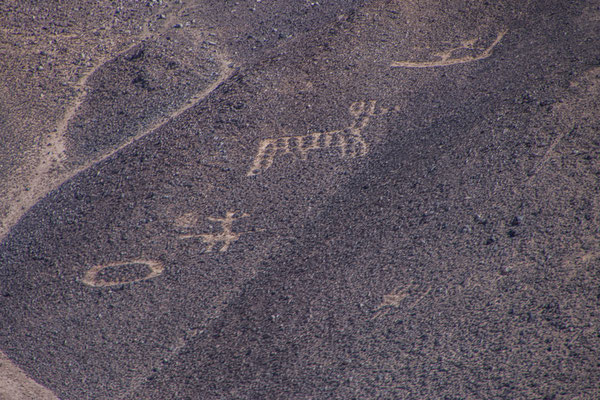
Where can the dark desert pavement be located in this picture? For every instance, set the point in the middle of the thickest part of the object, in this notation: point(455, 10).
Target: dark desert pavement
point(315, 200)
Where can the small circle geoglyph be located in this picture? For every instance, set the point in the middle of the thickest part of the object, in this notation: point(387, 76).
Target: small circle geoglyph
point(91, 276)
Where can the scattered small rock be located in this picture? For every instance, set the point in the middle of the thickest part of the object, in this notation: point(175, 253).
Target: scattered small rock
point(177, 26)
point(517, 220)
point(480, 219)
point(505, 270)
point(162, 16)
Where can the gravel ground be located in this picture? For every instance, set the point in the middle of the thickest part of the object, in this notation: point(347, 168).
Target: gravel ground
point(300, 200)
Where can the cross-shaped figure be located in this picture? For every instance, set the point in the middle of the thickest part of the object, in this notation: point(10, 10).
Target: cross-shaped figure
point(227, 236)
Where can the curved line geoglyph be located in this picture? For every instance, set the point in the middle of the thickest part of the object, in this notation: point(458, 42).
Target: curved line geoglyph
point(43, 179)
point(446, 56)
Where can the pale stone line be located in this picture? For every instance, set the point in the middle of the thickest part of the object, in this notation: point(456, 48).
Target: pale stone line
point(43, 183)
point(548, 155)
point(446, 59)
point(52, 151)
point(13, 380)
point(43, 178)
point(14, 383)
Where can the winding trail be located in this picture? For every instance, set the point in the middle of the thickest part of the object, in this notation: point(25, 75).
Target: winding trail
point(49, 172)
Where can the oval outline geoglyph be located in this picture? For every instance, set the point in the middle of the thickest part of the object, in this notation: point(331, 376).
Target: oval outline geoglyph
point(89, 278)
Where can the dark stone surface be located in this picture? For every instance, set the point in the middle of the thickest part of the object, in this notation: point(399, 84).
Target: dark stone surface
point(458, 258)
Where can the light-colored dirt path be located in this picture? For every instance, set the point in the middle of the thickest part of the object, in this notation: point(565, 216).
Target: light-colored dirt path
point(16, 385)
point(12, 380)
point(49, 173)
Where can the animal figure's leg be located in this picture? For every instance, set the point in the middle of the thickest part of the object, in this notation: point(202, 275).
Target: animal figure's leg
point(328, 138)
point(352, 145)
point(342, 143)
point(283, 144)
point(307, 143)
point(264, 157)
point(359, 146)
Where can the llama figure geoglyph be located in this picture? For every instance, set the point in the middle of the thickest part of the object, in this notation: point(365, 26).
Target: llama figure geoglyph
point(348, 140)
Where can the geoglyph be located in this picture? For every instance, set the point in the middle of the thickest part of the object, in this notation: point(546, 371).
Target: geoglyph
point(449, 57)
point(348, 140)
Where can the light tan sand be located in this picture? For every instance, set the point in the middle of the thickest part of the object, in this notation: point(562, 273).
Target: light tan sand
point(16, 385)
